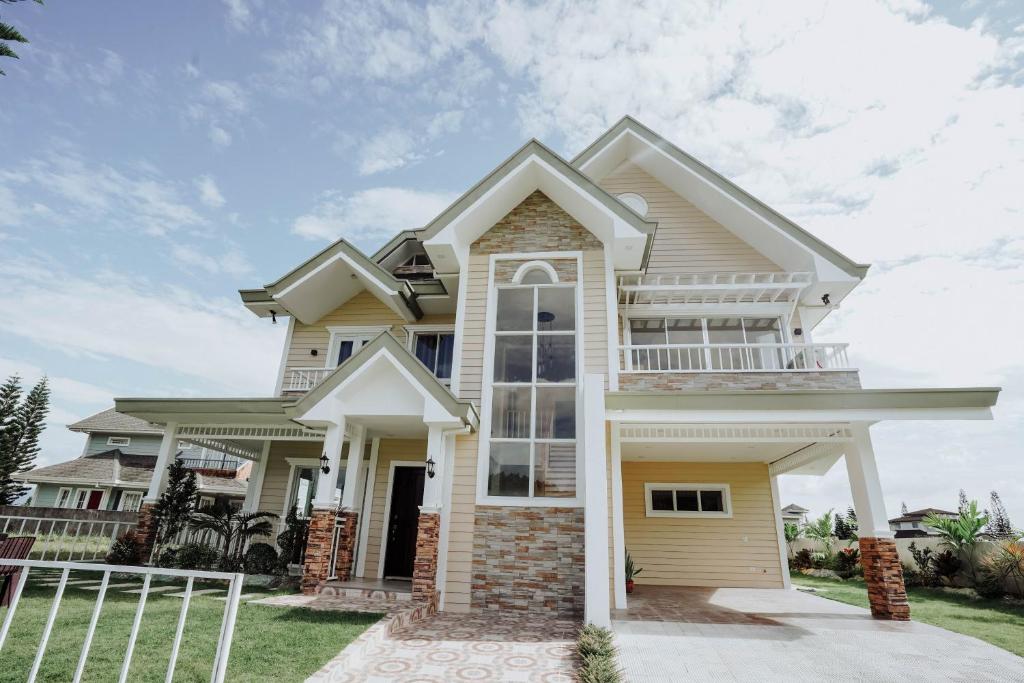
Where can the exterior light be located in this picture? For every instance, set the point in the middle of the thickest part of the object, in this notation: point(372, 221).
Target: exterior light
point(799, 331)
point(430, 467)
point(273, 317)
point(324, 467)
point(825, 299)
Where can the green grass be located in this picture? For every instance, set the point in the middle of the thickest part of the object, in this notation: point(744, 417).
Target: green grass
point(270, 643)
point(994, 621)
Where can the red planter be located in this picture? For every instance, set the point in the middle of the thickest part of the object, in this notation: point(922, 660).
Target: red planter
point(629, 586)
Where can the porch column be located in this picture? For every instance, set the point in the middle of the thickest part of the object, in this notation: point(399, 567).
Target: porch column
point(323, 517)
point(255, 485)
point(146, 530)
point(348, 514)
point(428, 529)
point(883, 572)
point(595, 512)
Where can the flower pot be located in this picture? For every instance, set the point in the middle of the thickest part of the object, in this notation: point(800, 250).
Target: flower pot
point(629, 586)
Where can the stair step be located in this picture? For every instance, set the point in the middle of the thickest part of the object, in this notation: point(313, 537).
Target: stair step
point(337, 588)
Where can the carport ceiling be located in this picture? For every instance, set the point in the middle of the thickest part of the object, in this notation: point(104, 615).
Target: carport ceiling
point(709, 452)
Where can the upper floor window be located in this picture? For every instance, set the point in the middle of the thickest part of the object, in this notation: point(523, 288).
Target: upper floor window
point(634, 201)
point(417, 260)
point(118, 440)
point(532, 447)
point(434, 349)
point(742, 343)
point(345, 341)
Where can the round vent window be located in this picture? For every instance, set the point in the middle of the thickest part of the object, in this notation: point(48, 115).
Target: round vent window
point(634, 201)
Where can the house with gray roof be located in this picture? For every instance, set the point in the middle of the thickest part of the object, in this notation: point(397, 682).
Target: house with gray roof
point(117, 463)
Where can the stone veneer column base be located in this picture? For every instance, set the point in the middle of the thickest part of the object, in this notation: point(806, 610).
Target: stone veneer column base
point(145, 530)
point(883, 575)
point(347, 531)
point(318, 548)
point(424, 573)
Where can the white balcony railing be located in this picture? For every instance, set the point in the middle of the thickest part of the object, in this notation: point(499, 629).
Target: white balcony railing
point(733, 357)
point(304, 379)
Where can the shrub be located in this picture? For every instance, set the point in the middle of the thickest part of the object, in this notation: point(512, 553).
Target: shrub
point(911, 577)
point(989, 585)
point(946, 565)
point(260, 558)
point(197, 556)
point(923, 558)
point(1007, 562)
point(168, 558)
point(847, 563)
point(597, 656)
point(802, 559)
point(125, 550)
point(292, 541)
point(821, 560)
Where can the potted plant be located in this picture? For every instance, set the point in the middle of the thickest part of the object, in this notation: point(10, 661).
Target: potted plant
point(631, 571)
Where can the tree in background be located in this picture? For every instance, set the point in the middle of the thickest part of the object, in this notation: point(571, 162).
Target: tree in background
point(903, 508)
point(174, 510)
point(963, 505)
point(841, 530)
point(821, 530)
point(999, 526)
point(11, 35)
point(792, 532)
point(21, 424)
point(962, 534)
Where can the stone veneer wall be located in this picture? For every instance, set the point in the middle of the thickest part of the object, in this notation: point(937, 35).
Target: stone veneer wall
point(424, 572)
point(883, 575)
point(528, 559)
point(725, 381)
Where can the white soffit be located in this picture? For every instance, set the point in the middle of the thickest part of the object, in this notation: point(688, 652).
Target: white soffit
point(332, 284)
point(449, 248)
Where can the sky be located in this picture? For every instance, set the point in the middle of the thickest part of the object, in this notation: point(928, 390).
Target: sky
point(160, 156)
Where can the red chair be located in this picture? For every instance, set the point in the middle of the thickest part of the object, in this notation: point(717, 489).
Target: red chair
point(12, 549)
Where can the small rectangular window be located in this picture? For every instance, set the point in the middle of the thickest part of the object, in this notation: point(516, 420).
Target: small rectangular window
point(63, 495)
point(688, 500)
point(118, 440)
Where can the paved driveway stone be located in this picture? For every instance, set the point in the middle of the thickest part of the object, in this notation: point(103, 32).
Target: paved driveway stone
point(736, 634)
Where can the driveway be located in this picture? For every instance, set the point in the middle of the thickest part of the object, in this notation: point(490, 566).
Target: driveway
point(738, 634)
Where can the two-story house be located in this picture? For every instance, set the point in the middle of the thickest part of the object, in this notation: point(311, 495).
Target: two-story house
point(116, 467)
point(574, 360)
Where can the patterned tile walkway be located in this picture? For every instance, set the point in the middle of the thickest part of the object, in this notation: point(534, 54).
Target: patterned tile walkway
point(448, 647)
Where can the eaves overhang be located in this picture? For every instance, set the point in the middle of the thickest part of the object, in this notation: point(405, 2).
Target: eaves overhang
point(229, 411)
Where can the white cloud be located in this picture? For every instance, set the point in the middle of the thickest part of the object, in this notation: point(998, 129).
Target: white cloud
point(239, 14)
point(209, 193)
point(218, 136)
point(387, 151)
point(231, 262)
point(171, 328)
point(226, 95)
point(369, 217)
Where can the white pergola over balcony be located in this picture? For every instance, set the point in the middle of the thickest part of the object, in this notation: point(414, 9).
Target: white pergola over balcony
point(713, 288)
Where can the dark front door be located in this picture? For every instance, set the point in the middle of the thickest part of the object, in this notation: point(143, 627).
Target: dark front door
point(94, 500)
point(406, 498)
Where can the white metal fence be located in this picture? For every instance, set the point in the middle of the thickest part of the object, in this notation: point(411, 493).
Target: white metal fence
point(733, 357)
point(65, 539)
point(227, 628)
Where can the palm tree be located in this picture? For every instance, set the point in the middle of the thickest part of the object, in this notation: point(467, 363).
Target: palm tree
point(9, 33)
point(235, 529)
point(821, 530)
point(792, 532)
point(962, 533)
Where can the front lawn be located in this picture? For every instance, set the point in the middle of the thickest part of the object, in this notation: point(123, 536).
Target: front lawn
point(994, 621)
point(270, 643)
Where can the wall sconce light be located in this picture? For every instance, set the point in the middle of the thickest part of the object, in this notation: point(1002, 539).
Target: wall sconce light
point(825, 299)
point(273, 317)
point(799, 332)
point(313, 352)
point(324, 467)
point(430, 467)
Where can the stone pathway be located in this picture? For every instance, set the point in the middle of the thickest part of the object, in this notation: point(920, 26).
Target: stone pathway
point(768, 635)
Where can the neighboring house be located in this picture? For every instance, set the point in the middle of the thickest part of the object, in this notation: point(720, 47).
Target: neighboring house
point(116, 468)
point(794, 514)
point(911, 524)
point(574, 359)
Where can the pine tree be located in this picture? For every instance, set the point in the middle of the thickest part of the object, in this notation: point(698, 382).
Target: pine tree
point(19, 441)
point(999, 525)
point(903, 508)
point(964, 505)
point(174, 510)
point(852, 526)
point(842, 530)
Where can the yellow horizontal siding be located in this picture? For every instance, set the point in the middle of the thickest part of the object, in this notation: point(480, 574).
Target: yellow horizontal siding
point(742, 551)
point(460, 525)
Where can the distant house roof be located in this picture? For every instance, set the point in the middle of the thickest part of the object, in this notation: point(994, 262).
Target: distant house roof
point(918, 515)
point(111, 421)
point(114, 468)
point(795, 509)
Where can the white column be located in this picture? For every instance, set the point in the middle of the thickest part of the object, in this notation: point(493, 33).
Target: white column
point(255, 484)
point(780, 533)
point(164, 458)
point(354, 473)
point(433, 487)
point(364, 518)
point(866, 486)
point(595, 512)
point(327, 483)
point(446, 512)
point(618, 527)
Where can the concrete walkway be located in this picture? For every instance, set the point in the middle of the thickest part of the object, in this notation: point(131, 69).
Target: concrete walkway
point(736, 634)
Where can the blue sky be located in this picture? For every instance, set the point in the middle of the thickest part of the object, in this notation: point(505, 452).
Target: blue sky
point(159, 156)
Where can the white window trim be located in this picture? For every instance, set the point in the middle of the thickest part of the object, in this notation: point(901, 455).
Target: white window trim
point(410, 342)
point(627, 327)
point(124, 496)
point(354, 333)
point(525, 269)
point(483, 452)
point(114, 440)
point(724, 488)
point(85, 501)
point(295, 464)
point(70, 499)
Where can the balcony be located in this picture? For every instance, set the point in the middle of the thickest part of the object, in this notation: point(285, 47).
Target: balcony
point(712, 288)
point(304, 379)
point(686, 358)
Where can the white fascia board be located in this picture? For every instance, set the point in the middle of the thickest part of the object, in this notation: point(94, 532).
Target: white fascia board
point(773, 416)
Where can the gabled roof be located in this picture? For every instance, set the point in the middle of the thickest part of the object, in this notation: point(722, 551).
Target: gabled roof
point(918, 515)
point(327, 280)
point(112, 422)
point(589, 161)
point(795, 509)
point(386, 343)
point(533, 166)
